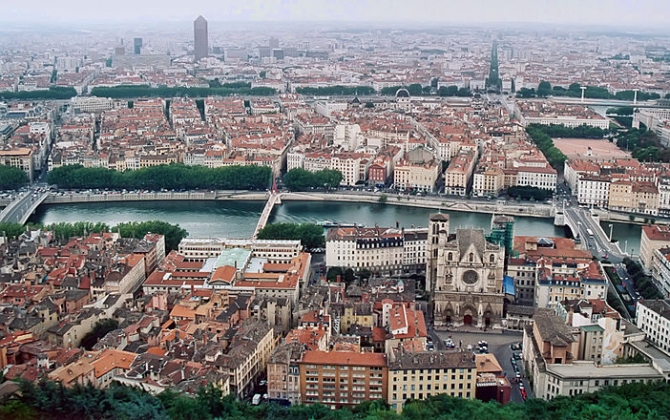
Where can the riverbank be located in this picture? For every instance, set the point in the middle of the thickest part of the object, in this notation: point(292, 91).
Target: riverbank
point(442, 203)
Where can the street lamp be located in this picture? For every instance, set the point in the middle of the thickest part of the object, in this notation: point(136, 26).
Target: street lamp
point(611, 232)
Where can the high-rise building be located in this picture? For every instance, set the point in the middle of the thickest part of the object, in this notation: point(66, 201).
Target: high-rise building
point(200, 38)
point(137, 44)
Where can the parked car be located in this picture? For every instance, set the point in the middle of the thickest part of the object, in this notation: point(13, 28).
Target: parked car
point(449, 343)
point(516, 346)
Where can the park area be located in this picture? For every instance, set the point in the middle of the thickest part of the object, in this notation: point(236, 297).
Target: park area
point(597, 150)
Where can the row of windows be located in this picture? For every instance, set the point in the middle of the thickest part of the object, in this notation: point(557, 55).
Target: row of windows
point(412, 387)
point(420, 395)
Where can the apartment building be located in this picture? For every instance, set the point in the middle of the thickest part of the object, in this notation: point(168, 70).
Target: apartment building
point(552, 353)
point(284, 372)
point(653, 317)
point(653, 237)
point(416, 176)
point(488, 182)
point(19, 157)
point(547, 113)
point(418, 376)
point(91, 104)
point(538, 257)
point(645, 198)
point(551, 288)
point(250, 347)
point(386, 250)
point(538, 177)
point(458, 173)
point(342, 378)
point(593, 190)
point(660, 270)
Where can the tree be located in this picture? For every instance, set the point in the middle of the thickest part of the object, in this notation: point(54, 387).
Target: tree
point(333, 273)
point(12, 178)
point(415, 89)
point(174, 176)
point(349, 275)
point(11, 230)
point(555, 157)
point(49, 400)
point(336, 90)
point(447, 91)
point(544, 89)
point(529, 193)
point(526, 93)
point(310, 235)
point(299, 179)
point(54, 92)
point(100, 329)
point(145, 91)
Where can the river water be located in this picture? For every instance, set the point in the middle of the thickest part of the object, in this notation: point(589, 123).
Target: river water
point(226, 219)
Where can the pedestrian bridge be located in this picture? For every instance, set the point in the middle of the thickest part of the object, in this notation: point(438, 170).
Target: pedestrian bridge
point(275, 198)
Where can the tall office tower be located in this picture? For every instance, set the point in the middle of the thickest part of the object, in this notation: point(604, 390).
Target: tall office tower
point(273, 43)
point(200, 38)
point(137, 43)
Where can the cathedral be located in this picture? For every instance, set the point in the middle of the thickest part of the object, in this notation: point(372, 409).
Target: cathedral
point(464, 274)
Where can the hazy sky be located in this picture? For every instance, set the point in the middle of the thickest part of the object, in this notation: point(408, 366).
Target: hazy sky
point(605, 12)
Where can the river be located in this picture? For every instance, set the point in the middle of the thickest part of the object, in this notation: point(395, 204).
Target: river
point(227, 219)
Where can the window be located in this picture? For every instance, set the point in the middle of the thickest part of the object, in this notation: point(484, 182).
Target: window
point(450, 256)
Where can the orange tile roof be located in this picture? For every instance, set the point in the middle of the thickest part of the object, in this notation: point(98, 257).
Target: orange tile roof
point(110, 359)
point(487, 363)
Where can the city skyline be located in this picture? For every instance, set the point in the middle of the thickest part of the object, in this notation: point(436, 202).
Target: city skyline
point(620, 13)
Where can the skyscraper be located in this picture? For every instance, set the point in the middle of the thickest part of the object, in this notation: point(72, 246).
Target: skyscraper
point(200, 38)
point(137, 43)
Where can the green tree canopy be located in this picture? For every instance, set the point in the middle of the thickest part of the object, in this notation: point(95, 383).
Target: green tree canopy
point(55, 92)
point(174, 176)
point(11, 230)
point(544, 89)
point(49, 400)
point(12, 178)
point(336, 90)
point(125, 92)
point(310, 235)
point(299, 179)
point(555, 157)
